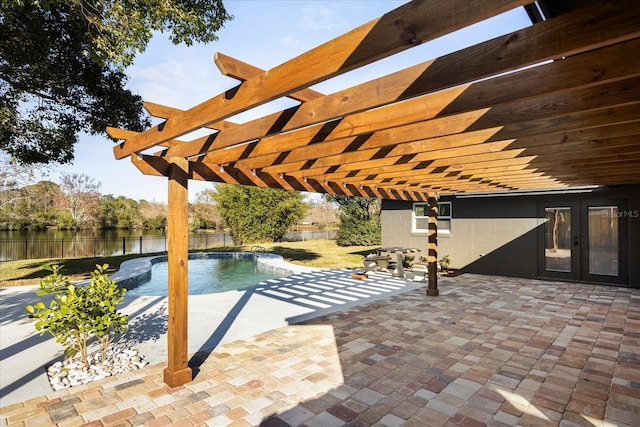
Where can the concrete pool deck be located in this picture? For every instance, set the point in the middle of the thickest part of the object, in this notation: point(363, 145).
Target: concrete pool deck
point(214, 319)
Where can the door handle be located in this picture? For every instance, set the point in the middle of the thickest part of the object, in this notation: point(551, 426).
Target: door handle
point(575, 241)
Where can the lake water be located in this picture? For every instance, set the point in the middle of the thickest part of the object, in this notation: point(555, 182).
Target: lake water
point(16, 245)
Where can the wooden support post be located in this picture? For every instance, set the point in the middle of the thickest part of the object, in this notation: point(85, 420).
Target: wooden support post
point(178, 371)
point(432, 265)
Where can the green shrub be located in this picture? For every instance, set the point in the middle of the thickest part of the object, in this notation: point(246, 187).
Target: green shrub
point(407, 260)
point(77, 314)
point(445, 262)
point(358, 233)
point(258, 215)
point(359, 221)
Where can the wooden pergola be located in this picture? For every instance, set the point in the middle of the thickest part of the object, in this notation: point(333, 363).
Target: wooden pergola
point(556, 104)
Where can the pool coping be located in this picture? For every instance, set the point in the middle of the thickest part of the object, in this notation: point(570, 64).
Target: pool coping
point(133, 271)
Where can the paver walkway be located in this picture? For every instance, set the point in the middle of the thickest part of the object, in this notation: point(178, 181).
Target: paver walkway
point(214, 319)
point(488, 351)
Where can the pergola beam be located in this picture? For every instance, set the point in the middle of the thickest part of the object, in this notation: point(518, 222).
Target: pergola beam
point(400, 29)
point(556, 80)
point(364, 147)
point(585, 87)
point(426, 77)
point(166, 112)
point(566, 154)
point(159, 166)
point(535, 135)
point(242, 71)
point(178, 371)
point(432, 248)
point(467, 156)
point(391, 118)
point(612, 94)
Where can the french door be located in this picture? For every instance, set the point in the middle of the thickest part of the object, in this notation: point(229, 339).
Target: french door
point(584, 241)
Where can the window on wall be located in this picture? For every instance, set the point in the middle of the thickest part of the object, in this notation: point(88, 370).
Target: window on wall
point(421, 218)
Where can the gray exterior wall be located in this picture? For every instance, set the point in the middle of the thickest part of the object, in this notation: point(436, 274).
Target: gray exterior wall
point(500, 234)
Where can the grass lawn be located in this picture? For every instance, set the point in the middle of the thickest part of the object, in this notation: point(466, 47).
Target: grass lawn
point(311, 253)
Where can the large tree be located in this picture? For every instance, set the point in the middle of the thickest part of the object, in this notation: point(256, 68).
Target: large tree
point(14, 177)
point(25, 199)
point(81, 199)
point(119, 212)
point(203, 212)
point(323, 213)
point(154, 214)
point(255, 215)
point(359, 220)
point(62, 62)
point(33, 207)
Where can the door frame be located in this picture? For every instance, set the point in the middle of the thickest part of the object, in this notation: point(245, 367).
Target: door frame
point(574, 273)
point(623, 242)
point(580, 241)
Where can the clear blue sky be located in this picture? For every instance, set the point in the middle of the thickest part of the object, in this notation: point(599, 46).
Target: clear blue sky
point(265, 34)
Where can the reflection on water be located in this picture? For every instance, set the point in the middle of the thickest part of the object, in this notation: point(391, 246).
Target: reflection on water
point(15, 245)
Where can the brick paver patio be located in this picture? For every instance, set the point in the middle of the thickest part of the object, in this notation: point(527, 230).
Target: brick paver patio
point(489, 351)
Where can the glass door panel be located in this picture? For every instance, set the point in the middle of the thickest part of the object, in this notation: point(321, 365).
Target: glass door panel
point(559, 240)
point(557, 248)
point(603, 251)
point(584, 240)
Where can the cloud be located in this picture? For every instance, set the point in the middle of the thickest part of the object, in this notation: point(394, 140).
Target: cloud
point(290, 41)
point(179, 84)
point(176, 75)
point(323, 18)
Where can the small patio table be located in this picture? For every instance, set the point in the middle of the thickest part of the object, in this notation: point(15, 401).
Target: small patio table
point(399, 252)
point(376, 262)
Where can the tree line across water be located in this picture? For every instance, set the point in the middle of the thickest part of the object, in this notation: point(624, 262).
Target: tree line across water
point(248, 214)
point(73, 203)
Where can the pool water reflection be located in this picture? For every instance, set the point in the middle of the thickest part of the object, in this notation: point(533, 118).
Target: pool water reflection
point(206, 276)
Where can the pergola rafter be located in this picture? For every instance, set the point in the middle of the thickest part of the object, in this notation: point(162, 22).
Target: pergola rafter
point(400, 29)
point(272, 148)
point(552, 105)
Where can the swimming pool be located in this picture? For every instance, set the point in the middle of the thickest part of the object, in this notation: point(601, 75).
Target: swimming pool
point(215, 272)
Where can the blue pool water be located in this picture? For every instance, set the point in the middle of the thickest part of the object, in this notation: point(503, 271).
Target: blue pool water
point(207, 276)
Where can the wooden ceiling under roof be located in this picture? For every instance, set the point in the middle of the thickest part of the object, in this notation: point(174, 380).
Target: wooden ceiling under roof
point(553, 105)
